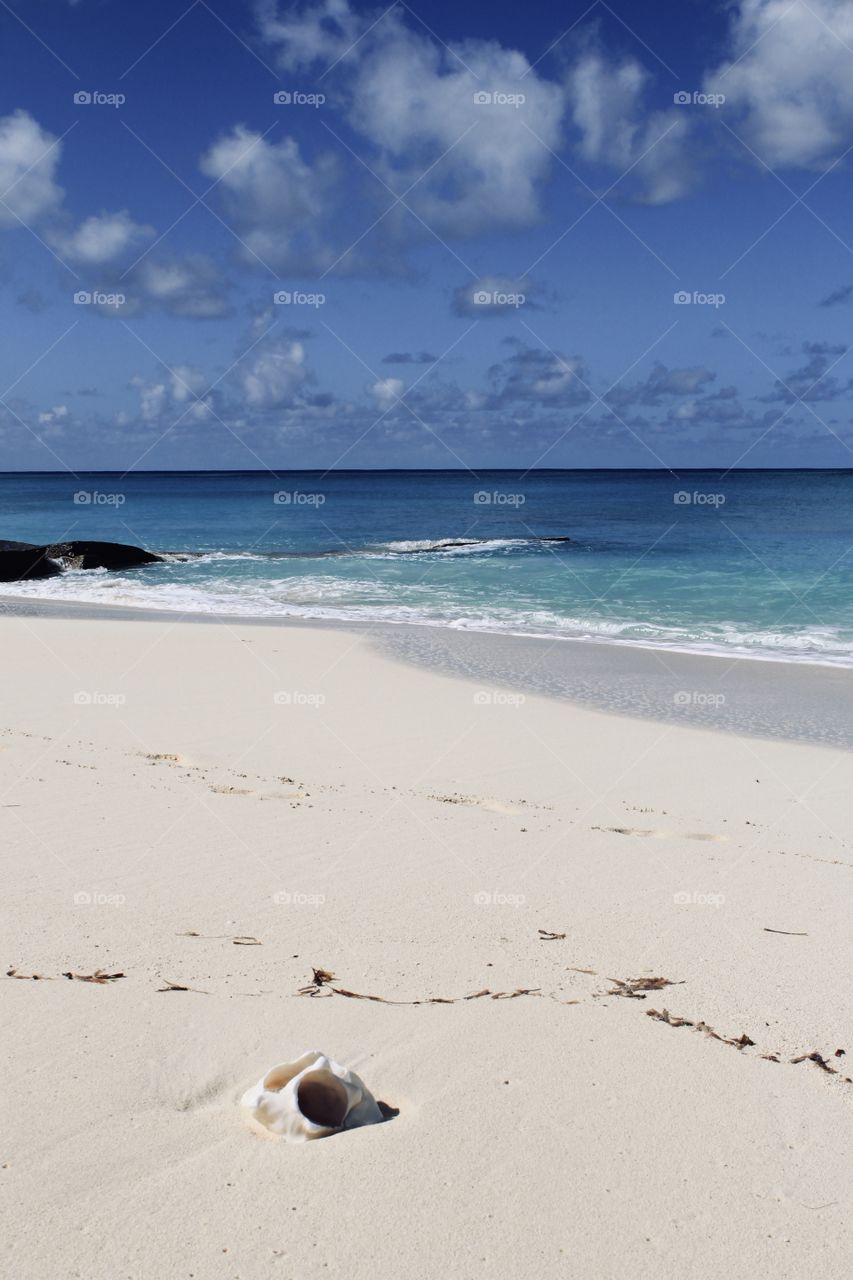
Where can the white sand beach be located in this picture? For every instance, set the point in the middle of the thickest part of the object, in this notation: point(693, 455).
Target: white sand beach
point(213, 811)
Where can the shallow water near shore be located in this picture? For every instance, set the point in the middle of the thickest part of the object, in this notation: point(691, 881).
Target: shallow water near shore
point(744, 563)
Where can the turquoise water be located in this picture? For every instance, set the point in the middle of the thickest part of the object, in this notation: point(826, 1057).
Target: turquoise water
point(750, 563)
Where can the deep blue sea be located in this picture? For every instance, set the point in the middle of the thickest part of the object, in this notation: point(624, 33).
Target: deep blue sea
point(753, 563)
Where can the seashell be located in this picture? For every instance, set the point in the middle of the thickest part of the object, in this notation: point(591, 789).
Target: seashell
point(312, 1097)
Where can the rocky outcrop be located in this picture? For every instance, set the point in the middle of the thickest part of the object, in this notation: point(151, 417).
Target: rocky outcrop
point(99, 555)
point(22, 561)
point(24, 565)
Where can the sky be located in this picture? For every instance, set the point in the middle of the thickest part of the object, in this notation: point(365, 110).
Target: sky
point(240, 234)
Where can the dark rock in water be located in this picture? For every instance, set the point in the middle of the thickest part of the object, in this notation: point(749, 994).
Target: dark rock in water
point(22, 566)
point(100, 555)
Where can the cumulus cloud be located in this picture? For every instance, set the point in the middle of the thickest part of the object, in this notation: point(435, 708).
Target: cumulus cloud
point(387, 391)
point(318, 33)
point(722, 409)
point(187, 383)
point(450, 126)
point(274, 199)
point(191, 286)
point(275, 376)
point(176, 398)
point(661, 384)
point(813, 380)
point(54, 415)
point(153, 398)
point(535, 376)
point(29, 156)
point(789, 79)
point(616, 129)
point(101, 238)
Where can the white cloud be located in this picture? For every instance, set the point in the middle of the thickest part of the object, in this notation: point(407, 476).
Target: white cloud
point(28, 159)
point(661, 383)
point(153, 398)
point(175, 400)
point(101, 238)
point(56, 414)
point(187, 381)
point(535, 376)
point(607, 103)
point(324, 32)
point(413, 99)
point(791, 78)
point(387, 392)
point(275, 376)
point(190, 286)
point(274, 199)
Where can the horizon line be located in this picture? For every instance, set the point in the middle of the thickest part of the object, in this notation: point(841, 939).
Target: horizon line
point(471, 471)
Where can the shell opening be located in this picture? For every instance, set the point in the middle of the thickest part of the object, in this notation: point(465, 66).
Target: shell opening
point(322, 1099)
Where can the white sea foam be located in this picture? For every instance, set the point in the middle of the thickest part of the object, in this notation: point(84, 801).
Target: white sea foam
point(329, 597)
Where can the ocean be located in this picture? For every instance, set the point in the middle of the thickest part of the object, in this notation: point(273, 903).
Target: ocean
point(744, 563)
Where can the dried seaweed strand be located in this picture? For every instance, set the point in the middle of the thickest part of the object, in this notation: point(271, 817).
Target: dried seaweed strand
point(99, 976)
point(322, 979)
point(743, 1042)
point(739, 1042)
point(635, 988)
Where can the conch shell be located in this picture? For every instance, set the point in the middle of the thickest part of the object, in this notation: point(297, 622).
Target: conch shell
point(312, 1097)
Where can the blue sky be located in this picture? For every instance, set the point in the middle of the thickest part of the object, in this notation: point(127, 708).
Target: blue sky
point(477, 221)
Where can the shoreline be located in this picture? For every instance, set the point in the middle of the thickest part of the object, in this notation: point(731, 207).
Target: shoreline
point(36, 605)
point(760, 697)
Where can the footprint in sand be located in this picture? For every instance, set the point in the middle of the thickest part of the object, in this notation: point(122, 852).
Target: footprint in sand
point(491, 806)
point(650, 833)
point(223, 789)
